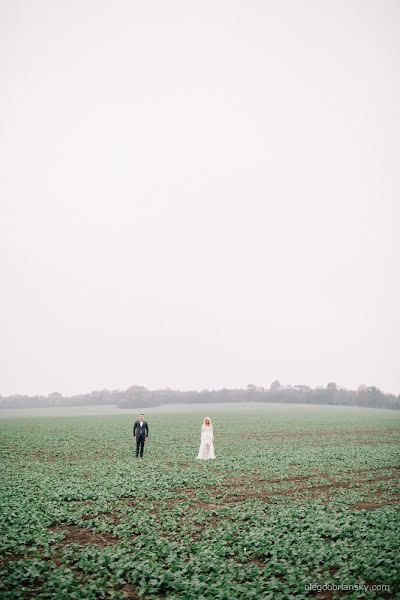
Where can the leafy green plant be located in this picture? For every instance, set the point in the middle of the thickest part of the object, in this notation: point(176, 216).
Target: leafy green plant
point(311, 496)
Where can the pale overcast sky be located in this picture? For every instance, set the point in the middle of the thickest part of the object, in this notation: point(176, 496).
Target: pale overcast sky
point(199, 194)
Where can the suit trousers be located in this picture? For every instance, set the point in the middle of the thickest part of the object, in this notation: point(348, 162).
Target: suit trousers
point(139, 445)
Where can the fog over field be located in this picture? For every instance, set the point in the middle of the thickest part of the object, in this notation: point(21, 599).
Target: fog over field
point(199, 194)
point(203, 409)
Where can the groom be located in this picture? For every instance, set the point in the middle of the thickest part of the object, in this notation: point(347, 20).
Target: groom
point(140, 432)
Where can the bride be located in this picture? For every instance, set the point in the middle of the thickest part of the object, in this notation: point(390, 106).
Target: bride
point(206, 450)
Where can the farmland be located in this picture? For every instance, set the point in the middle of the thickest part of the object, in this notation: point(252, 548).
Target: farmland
point(295, 498)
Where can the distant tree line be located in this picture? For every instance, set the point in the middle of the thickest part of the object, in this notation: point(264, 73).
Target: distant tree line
point(138, 396)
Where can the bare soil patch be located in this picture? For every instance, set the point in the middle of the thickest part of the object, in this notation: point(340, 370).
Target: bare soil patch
point(239, 498)
point(43, 456)
point(130, 592)
point(258, 562)
point(375, 479)
point(12, 558)
point(241, 488)
point(188, 491)
point(289, 479)
point(368, 505)
point(82, 536)
point(208, 505)
point(246, 489)
point(367, 469)
point(373, 505)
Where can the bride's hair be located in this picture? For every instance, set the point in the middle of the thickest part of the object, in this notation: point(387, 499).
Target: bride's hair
point(207, 419)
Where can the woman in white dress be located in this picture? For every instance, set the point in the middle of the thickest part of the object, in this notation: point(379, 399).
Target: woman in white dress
point(207, 440)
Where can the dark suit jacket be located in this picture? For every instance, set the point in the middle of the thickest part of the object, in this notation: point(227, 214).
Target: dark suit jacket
point(140, 432)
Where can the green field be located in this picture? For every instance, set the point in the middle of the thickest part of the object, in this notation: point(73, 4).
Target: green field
point(296, 497)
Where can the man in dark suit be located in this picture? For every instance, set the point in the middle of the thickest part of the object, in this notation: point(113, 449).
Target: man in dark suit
point(141, 433)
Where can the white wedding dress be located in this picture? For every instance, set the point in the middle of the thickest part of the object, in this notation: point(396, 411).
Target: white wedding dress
point(206, 450)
